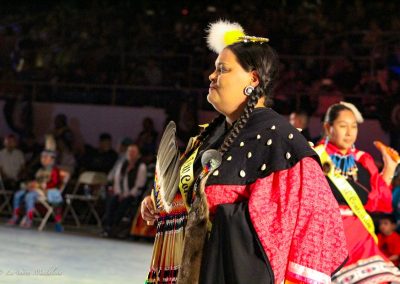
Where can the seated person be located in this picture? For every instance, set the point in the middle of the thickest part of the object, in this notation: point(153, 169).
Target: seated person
point(11, 163)
point(47, 182)
point(128, 185)
point(389, 239)
point(104, 157)
point(123, 145)
point(300, 120)
point(147, 138)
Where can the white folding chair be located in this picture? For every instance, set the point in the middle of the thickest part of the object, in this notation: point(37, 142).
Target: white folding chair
point(93, 180)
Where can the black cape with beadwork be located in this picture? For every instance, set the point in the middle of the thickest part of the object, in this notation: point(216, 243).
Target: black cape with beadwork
point(267, 143)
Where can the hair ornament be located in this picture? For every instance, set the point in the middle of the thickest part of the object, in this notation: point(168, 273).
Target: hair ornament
point(223, 33)
point(253, 39)
point(356, 112)
point(50, 146)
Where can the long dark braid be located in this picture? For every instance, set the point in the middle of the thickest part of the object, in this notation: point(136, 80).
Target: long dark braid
point(241, 122)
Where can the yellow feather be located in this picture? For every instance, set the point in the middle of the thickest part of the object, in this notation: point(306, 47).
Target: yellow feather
point(233, 36)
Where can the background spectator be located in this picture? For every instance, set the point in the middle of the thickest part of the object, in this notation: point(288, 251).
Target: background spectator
point(128, 185)
point(103, 158)
point(12, 163)
point(299, 119)
point(389, 239)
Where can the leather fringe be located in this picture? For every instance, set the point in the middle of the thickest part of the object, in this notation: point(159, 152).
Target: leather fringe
point(195, 237)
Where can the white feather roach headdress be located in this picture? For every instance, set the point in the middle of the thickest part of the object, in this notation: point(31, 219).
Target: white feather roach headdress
point(223, 33)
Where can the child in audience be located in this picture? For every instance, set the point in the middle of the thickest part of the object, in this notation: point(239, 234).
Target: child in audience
point(47, 180)
point(389, 239)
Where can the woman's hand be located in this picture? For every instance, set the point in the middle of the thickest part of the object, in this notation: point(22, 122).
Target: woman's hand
point(389, 164)
point(148, 210)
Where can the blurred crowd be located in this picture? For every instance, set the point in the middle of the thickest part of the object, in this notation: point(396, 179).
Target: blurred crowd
point(129, 168)
point(161, 44)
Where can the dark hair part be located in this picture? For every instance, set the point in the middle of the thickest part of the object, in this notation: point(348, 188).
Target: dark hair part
point(259, 57)
point(333, 112)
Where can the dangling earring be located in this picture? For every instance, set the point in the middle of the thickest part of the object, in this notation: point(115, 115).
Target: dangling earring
point(248, 90)
point(326, 141)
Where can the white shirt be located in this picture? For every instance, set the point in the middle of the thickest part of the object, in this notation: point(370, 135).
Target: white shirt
point(140, 181)
point(11, 163)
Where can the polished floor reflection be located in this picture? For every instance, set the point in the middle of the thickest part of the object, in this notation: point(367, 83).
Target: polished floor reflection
point(29, 256)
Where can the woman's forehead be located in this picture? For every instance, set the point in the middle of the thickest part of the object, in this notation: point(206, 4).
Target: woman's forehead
point(226, 57)
point(346, 115)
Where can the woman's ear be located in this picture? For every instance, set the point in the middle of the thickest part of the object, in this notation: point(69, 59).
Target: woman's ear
point(255, 79)
point(327, 128)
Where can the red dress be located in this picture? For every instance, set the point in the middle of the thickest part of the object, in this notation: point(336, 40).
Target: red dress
point(271, 168)
point(366, 263)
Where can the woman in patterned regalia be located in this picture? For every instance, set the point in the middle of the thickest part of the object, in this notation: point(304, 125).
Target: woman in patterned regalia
point(359, 188)
point(247, 202)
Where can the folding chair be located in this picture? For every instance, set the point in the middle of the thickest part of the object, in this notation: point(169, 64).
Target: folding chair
point(7, 195)
point(94, 180)
point(6, 203)
point(65, 176)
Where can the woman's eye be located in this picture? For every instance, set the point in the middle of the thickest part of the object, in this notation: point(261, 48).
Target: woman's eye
point(221, 69)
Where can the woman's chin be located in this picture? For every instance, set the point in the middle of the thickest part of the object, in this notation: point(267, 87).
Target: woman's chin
point(211, 98)
point(211, 101)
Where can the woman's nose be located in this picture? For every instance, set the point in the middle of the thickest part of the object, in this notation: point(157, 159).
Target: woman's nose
point(212, 76)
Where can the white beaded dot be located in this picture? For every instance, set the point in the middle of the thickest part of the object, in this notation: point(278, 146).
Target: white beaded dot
point(269, 142)
point(229, 158)
point(288, 155)
point(241, 144)
point(216, 173)
point(242, 173)
point(273, 127)
point(258, 136)
point(290, 136)
point(249, 155)
point(263, 167)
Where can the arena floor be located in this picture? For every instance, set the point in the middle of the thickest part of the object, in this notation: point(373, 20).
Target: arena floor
point(29, 256)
